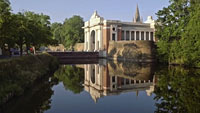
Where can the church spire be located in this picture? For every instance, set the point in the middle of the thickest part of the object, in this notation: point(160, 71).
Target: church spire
point(137, 15)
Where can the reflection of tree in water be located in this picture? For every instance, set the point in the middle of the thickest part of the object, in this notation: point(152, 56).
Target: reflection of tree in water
point(35, 100)
point(178, 91)
point(72, 77)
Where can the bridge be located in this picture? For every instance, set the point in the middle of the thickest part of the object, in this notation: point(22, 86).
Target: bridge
point(77, 57)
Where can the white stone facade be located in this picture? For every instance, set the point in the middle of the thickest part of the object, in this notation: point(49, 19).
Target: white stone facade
point(98, 32)
point(93, 33)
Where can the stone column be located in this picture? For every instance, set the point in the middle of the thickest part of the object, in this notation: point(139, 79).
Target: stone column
point(100, 38)
point(85, 41)
point(86, 71)
point(124, 81)
point(89, 41)
point(124, 35)
point(145, 38)
point(135, 33)
point(130, 35)
point(140, 37)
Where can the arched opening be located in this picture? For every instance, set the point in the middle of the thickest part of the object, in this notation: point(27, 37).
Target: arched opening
point(92, 38)
point(93, 76)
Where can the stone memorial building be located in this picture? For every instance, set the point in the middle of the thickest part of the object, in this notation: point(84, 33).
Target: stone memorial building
point(99, 32)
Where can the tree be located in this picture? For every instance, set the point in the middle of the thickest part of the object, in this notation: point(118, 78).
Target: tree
point(73, 31)
point(27, 28)
point(178, 91)
point(190, 41)
point(57, 29)
point(72, 78)
point(40, 29)
point(21, 30)
point(176, 33)
point(5, 24)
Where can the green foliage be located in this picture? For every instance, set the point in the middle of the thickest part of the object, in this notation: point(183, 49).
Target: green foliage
point(26, 28)
point(31, 29)
point(5, 18)
point(18, 74)
point(178, 34)
point(70, 32)
point(178, 91)
point(39, 28)
point(73, 31)
point(72, 78)
point(57, 31)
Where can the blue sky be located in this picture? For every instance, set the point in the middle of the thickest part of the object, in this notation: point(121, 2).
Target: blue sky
point(58, 10)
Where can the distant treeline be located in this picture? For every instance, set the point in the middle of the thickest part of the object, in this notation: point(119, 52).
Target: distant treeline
point(26, 29)
point(178, 31)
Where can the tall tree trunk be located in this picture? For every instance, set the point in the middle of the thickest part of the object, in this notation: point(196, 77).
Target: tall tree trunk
point(27, 48)
point(10, 53)
point(21, 49)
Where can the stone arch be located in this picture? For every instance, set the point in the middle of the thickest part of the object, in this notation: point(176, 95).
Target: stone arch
point(92, 38)
point(93, 76)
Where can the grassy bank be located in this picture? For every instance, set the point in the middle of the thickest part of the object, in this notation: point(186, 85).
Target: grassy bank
point(18, 74)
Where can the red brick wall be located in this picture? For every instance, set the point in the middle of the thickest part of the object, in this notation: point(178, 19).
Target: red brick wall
point(119, 34)
point(106, 77)
point(106, 37)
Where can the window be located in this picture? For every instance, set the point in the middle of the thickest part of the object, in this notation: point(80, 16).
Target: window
point(113, 36)
point(132, 35)
point(114, 29)
point(137, 35)
point(142, 35)
point(152, 36)
point(127, 35)
point(113, 79)
point(127, 81)
point(123, 35)
point(147, 35)
point(122, 81)
point(93, 76)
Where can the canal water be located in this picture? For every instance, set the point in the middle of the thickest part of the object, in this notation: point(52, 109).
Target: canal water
point(112, 87)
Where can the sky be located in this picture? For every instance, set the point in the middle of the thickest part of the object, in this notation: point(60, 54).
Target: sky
point(58, 10)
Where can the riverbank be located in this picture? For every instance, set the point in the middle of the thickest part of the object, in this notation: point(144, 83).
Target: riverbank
point(19, 74)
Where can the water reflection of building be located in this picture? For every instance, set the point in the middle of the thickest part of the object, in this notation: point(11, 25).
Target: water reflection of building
point(105, 80)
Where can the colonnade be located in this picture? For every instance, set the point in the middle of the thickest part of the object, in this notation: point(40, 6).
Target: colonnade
point(138, 35)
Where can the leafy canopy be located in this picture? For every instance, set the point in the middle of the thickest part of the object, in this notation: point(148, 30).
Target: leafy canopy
point(178, 33)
